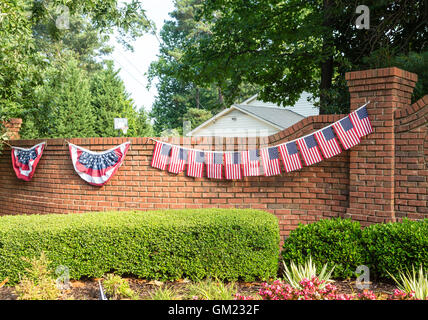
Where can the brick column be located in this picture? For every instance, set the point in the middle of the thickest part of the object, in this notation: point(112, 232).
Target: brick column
point(371, 190)
point(12, 127)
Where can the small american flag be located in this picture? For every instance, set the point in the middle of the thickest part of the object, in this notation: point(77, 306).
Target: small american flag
point(251, 162)
point(195, 166)
point(270, 158)
point(346, 132)
point(328, 142)
point(360, 119)
point(232, 162)
point(290, 156)
point(161, 155)
point(178, 160)
point(308, 147)
point(214, 162)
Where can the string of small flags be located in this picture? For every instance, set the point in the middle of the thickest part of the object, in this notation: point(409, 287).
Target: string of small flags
point(312, 148)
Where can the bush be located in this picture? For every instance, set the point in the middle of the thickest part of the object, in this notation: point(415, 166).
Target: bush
point(396, 246)
point(227, 244)
point(335, 242)
point(38, 283)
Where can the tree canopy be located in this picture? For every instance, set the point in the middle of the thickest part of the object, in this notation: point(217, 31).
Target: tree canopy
point(52, 70)
point(287, 47)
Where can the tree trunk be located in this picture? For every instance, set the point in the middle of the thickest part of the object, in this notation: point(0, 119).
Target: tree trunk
point(220, 96)
point(198, 103)
point(327, 62)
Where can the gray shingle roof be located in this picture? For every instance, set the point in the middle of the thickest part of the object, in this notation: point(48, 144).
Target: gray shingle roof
point(280, 117)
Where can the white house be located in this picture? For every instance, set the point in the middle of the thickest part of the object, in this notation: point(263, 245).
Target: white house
point(255, 118)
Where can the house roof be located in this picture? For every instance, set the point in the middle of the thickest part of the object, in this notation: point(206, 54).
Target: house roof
point(279, 117)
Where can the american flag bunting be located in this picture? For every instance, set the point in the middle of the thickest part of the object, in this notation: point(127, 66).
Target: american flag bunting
point(360, 119)
point(195, 165)
point(346, 133)
point(214, 161)
point(327, 142)
point(232, 163)
point(251, 162)
point(290, 156)
point(161, 155)
point(270, 159)
point(178, 159)
point(309, 149)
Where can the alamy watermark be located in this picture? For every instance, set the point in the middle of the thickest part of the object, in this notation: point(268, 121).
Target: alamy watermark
point(363, 20)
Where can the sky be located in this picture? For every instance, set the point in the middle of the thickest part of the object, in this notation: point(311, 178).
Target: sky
point(135, 64)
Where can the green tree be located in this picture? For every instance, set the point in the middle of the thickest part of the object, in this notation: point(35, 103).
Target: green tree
point(288, 47)
point(143, 125)
point(176, 95)
point(197, 116)
point(110, 100)
point(18, 61)
point(64, 101)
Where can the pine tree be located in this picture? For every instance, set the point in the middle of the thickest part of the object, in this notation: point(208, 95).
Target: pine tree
point(65, 102)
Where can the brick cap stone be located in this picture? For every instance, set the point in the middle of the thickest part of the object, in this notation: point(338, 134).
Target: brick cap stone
point(381, 73)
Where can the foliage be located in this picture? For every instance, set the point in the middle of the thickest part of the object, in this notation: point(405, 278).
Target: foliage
point(38, 283)
point(401, 295)
point(176, 95)
point(164, 293)
point(210, 289)
point(330, 242)
point(316, 289)
point(18, 61)
point(64, 102)
point(287, 47)
point(416, 62)
point(118, 288)
point(413, 282)
point(296, 273)
point(110, 100)
point(228, 244)
point(197, 116)
point(307, 289)
point(45, 45)
point(396, 246)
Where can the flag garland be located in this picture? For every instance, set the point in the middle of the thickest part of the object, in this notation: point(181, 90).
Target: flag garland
point(324, 143)
point(214, 161)
point(232, 164)
point(251, 162)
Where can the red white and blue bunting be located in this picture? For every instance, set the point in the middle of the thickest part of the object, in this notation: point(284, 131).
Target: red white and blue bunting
point(313, 147)
point(24, 161)
point(97, 168)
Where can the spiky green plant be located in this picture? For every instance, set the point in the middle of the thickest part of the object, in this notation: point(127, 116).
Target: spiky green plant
point(296, 273)
point(118, 288)
point(164, 293)
point(413, 281)
point(210, 289)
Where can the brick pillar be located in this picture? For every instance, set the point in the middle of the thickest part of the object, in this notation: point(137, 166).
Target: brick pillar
point(371, 190)
point(12, 127)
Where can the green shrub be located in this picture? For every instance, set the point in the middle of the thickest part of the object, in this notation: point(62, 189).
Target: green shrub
point(335, 242)
point(38, 283)
point(227, 244)
point(118, 288)
point(396, 246)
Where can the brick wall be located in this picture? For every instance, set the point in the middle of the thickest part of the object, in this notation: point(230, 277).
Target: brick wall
point(383, 178)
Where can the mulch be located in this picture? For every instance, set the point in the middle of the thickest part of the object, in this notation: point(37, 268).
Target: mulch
point(88, 289)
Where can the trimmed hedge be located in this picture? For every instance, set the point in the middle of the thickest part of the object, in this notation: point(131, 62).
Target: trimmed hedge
point(383, 247)
point(227, 244)
point(331, 241)
point(395, 247)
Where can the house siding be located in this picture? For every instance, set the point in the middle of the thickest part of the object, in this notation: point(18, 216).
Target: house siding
point(244, 126)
